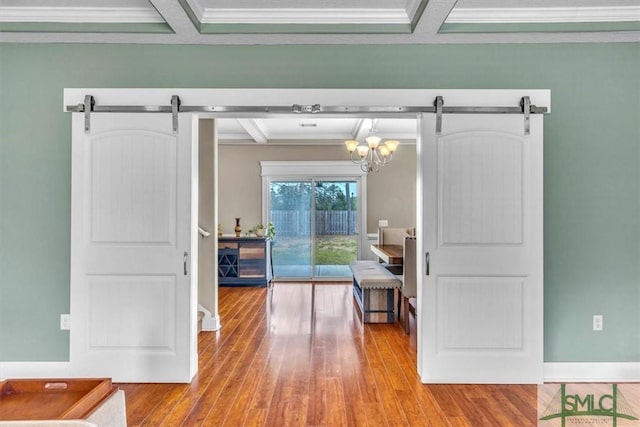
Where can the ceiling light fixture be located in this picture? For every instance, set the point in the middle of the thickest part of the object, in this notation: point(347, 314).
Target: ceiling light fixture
point(372, 156)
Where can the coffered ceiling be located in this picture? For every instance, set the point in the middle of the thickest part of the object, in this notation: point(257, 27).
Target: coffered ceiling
point(312, 130)
point(314, 22)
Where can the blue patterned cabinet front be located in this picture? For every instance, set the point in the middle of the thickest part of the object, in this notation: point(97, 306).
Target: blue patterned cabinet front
point(244, 261)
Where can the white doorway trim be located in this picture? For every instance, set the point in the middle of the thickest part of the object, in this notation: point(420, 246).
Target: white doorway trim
point(333, 97)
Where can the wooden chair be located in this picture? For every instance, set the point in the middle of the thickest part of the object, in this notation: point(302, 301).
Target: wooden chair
point(392, 236)
point(409, 280)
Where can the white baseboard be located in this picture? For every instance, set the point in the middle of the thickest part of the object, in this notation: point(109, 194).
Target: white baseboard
point(19, 370)
point(209, 322)
point(608, 372)
point(553, 371)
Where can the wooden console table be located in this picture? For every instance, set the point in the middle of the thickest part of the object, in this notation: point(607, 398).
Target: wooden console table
point(244, 261)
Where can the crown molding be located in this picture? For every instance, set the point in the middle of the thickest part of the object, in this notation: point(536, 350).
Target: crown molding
point(543, 15)
point(303, 16)
point(80, 14)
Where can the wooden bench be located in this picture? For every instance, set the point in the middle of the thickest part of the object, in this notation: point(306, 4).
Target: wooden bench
point(373, 289)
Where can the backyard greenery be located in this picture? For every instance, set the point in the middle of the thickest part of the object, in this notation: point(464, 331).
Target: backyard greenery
point(336, 250)
point(330, 250)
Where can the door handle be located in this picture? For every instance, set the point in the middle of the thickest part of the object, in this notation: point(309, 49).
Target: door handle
point(184, 261)
point(426, 262)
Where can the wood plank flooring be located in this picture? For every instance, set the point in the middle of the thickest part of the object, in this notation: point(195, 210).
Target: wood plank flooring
point(297, 355)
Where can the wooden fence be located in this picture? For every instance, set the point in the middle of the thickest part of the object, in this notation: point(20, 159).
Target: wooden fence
point(298, 223)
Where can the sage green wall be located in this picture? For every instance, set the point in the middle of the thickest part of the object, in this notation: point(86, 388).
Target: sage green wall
point(592, 164)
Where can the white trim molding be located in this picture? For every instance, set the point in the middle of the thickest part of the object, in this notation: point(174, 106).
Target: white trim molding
point(125, 15)
point(287, 97)
point(20, 370)
point(305, 168)
point(592, 372)
point(210, 323)
point(304, 16)
point(526, 15)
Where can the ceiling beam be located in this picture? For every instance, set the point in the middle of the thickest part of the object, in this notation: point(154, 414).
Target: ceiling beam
point(176, 17)
point(433, 16)
point(254, 129)
point(362, 129)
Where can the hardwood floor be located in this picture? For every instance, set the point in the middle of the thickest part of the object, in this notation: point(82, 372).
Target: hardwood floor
point(297, 355)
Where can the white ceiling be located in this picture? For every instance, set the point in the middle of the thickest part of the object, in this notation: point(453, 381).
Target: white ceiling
point(314, 22)
point(311, 130)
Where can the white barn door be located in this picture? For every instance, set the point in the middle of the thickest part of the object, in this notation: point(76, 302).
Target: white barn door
point(133, 258)
point(482, 318)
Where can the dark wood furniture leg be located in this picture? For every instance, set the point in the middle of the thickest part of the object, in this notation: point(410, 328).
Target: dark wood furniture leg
point(405, 313)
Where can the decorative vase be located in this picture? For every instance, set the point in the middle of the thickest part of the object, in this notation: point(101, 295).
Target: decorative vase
point(259, 232)
point(237, 228)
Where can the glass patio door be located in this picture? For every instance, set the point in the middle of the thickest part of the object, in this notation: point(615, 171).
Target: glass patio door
point(290, 213)
point(336, 228)
point(317, 227)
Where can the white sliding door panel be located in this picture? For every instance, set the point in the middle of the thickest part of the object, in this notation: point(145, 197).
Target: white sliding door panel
point(482, 296)
point(144, 210)
point(132, 312)
point(132, 254)
point(479, 313)
point(480, 194)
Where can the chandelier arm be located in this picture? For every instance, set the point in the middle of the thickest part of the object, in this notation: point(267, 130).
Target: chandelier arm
point(386, 160)
point(356, 161)
point(377, 159)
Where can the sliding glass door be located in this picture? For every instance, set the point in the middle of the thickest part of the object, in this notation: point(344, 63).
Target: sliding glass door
point(290, 213)
point(336, 227)
point(317, 227)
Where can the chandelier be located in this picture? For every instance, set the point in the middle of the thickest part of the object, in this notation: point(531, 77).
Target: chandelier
point(373, 155)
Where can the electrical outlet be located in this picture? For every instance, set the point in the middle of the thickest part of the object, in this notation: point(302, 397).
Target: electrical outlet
point(383, 223)
point(65, 322)
point(598, 321)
